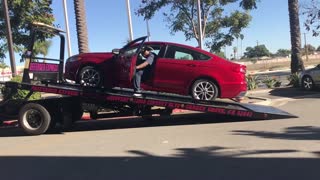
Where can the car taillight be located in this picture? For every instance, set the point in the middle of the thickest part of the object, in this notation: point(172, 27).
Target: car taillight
point(240, 68)
point(243, 69)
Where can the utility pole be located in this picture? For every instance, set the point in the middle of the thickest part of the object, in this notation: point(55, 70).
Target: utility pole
point(148, 30)
point(129, 20)
point(199, 25)
point(9, 37)
point(305, 47)
point(67, 27)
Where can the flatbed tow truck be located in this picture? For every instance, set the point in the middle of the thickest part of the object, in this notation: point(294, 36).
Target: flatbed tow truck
point(36, 117)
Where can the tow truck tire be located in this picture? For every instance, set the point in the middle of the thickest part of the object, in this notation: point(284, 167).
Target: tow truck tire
point(34, 119)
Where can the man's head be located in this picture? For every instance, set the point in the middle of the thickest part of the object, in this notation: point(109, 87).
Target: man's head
point(146, 50)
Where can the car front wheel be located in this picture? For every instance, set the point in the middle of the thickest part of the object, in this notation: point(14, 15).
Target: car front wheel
point(204, 90)
point(90, 76)
point(307, 83)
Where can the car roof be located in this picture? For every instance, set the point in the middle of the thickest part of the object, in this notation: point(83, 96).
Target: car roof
point(181, 45)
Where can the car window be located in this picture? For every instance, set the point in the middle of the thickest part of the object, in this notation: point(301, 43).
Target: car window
point(180, 53)
point(130, 51)
point(156, 49)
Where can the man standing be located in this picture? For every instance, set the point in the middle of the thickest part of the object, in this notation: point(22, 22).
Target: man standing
point(149, 58)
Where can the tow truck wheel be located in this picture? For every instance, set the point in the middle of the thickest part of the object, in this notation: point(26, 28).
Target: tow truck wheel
point(204, 89)
point(34, 119)
point(90, 76)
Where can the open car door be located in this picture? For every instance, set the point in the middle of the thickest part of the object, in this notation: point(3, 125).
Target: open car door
point(126, 61)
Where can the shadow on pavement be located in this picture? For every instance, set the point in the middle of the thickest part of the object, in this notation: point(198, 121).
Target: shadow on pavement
point(188, 163)
point(296, 93)
point(291, 133)
point(136, 122)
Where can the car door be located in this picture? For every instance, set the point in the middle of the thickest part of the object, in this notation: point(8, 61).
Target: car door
point(125, 62)
point(175, 69)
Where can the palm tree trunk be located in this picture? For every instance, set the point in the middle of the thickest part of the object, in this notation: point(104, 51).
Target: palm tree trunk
point(296, 60)
point(81, 24)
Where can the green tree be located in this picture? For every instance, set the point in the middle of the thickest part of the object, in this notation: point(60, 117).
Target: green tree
point(81, 25)
point(42, 47)
point(310, 49)
point(257, 51)
point(312, 12)
point(296, 60)
point(22, 14)
point(219, 28)
point(283, 52)
point(3, 65)
point(318, 49)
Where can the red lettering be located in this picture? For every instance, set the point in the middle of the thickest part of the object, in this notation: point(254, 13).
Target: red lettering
point(68, 92)
point(117, 98)
point(244, 113)
point(43, 67)
point(231, 112)
point(139, 101)
point(156, 103)
point(217, 110)
point(43, 89)
point(195, 107)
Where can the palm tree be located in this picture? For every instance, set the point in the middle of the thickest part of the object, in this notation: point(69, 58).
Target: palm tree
point(42, 47)
point(296, 60)
point(81, 24)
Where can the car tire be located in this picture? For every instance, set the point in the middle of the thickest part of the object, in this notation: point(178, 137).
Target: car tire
point(307, 83)
point(90, 76)
point(34, 119)
point(204, 89)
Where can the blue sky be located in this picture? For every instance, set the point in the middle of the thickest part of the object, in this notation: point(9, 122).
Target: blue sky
point(108, 26)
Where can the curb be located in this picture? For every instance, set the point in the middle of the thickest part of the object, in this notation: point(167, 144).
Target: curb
point(260, 91)
point(262, 100)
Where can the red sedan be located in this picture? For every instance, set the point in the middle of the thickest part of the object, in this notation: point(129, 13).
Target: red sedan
point(176, 69)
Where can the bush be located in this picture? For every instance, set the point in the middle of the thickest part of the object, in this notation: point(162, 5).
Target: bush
point(294, 80)
point(252, 82)
point(20, 94)
point(271, 82)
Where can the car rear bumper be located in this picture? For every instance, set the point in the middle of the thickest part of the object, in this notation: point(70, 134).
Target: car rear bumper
point(233, 90)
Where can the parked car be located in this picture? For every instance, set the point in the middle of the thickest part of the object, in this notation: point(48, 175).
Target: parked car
point(310, 78)
point(178, 68)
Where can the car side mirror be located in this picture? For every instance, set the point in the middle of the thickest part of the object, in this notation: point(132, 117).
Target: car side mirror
point(116, 51)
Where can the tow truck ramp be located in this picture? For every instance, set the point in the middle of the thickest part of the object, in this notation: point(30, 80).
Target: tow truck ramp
point(77, 99)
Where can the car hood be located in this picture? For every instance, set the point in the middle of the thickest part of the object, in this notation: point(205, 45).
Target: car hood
point(101, 55)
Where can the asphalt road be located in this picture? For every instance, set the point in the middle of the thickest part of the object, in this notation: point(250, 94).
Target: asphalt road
point(187, 146)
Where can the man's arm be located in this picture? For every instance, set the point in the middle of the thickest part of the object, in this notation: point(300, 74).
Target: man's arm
point(149, 61)
point(143, 65)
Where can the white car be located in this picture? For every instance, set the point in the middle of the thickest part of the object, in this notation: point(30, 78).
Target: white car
point(310, 79)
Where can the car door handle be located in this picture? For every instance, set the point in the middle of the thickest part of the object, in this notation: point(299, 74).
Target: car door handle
point(191, 65)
